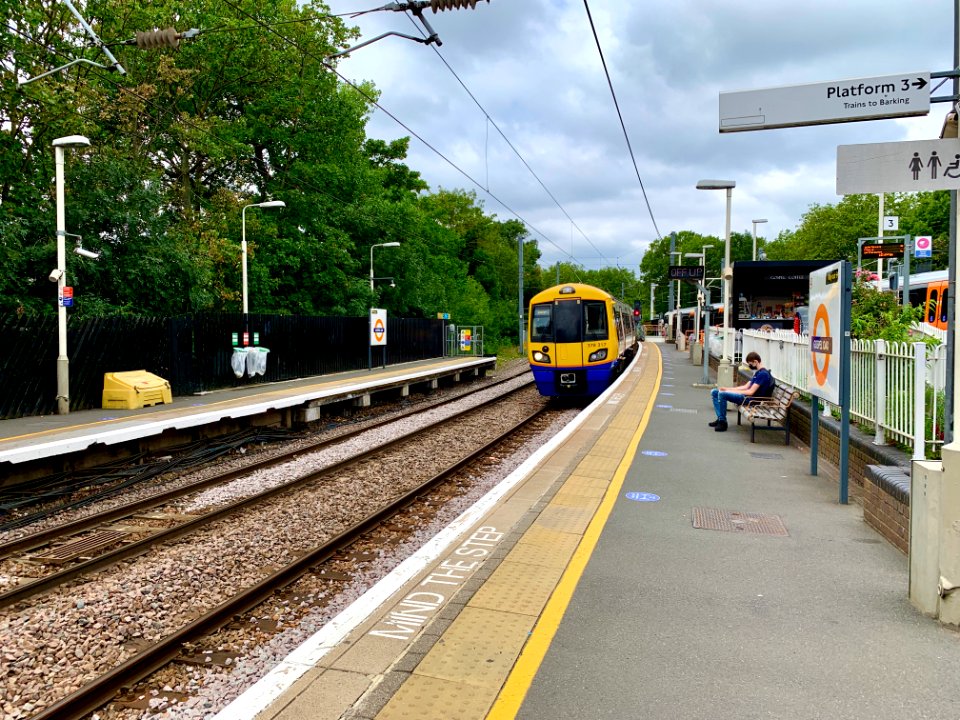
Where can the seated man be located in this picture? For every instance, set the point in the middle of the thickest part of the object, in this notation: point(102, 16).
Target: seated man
point(759, 386)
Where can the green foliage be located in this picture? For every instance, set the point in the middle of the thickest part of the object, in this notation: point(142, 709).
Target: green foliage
point(876, 315)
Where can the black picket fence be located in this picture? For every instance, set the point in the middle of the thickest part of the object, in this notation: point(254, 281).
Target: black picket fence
point(192, 352)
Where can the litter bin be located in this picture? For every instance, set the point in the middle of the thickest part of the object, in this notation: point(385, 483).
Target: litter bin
point(238, 361)
point(257, 360)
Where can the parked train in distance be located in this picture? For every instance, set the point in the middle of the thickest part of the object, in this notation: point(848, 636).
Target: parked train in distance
point(580, 339)
point(929, 291)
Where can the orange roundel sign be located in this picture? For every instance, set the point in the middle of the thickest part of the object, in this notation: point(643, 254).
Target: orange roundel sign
point(821, 317)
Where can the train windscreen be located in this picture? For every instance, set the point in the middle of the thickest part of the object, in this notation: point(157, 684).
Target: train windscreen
point(595, 320)
point(541, 324)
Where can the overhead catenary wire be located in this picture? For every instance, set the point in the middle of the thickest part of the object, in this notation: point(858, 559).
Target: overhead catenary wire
point(516, 152)
point(626, 136)
point(397, 120)
point(266, 26)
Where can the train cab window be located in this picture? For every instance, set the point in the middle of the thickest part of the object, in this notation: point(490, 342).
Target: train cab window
point(567, 321)
point(541, 326)
point(595, 320)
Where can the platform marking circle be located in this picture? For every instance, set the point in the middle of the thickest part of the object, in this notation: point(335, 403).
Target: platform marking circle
point(642, 497)
point(653, 453)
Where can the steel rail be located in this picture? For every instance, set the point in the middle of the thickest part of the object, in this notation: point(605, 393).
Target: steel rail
point(45, 537)
point(102, 690)
point(138, 547)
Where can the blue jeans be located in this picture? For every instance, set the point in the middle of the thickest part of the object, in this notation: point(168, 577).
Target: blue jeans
point(720, 400)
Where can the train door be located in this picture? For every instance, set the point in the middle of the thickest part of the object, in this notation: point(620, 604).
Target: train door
point(568, 332)
point(935, 307)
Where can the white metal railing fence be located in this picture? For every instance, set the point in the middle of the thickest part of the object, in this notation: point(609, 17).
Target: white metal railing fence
point(896, 387)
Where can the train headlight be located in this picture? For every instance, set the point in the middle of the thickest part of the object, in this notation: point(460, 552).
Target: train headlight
point(598, 355)
point(541, 357)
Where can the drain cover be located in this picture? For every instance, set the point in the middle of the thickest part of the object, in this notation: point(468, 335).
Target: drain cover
point(766, 456)
point(734, 521)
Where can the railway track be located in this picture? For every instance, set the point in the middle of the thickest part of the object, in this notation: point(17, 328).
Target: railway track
point(105, 545)
point(107, 686)
point(146, 660)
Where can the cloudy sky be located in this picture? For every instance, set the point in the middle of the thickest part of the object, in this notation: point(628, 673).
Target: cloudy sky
point(534, 67)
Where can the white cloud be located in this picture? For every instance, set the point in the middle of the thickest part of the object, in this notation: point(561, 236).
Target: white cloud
point(534, 67)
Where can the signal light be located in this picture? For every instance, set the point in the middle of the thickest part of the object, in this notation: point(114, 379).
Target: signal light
point(636, 309)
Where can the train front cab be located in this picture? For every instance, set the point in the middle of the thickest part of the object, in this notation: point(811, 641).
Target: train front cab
point(572, 349)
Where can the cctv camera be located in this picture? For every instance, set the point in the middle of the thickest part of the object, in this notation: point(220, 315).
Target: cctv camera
point(86, 253)
point(728, 273)
point(55, 275)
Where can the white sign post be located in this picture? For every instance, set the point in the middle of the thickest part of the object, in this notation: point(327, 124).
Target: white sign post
point(898, 167)
point(830, 297)
point(875, 98)
point(378, 334)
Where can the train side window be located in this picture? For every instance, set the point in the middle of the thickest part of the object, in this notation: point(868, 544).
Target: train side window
point(595, 320)
point(567, 321)
point(541, 325)
point(944, 304)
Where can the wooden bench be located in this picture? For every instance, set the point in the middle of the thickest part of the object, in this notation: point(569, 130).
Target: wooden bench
point(774, 409)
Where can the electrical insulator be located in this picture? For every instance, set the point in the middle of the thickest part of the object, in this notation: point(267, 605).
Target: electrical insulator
point(158, 39)
point(439, 5)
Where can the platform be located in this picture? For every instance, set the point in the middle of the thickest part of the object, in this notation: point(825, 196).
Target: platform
point(638, 566)
point(33, 438)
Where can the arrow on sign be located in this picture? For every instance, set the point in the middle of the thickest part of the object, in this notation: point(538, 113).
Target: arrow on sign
point(919, 83)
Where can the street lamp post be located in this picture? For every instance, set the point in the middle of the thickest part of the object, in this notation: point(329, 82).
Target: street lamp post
point(725, 369)
point(60, 273)
point(243, 244)
point(387, 244)
point(755, 223)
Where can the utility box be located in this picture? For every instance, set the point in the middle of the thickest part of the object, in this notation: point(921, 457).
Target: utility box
point(134, 389)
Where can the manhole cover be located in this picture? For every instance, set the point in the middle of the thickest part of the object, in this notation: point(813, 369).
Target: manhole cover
point(766, 456)
point(735, 521)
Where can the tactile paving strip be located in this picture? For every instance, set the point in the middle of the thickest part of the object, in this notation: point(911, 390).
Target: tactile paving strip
point(739, 522)
point(427, 697)
point(479, 648)
point(517, 587)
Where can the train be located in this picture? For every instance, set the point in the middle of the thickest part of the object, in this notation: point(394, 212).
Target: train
point(929, 290)
point(580, 339)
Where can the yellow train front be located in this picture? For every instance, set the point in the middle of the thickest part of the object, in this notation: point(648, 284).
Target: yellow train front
point(580, 339)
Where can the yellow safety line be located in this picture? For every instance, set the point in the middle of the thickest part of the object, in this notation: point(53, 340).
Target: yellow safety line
point(518, 683)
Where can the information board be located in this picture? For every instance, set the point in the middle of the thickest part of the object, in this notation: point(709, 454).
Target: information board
point(826, 329)
point(378, 326)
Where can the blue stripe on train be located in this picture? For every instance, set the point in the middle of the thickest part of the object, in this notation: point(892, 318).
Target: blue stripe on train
point(598, 378)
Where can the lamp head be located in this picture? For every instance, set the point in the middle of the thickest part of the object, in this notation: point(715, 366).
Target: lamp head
point(716, 184)
point(71, 141)
point(390, 244)
point(761, 220)
point(272, 203)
